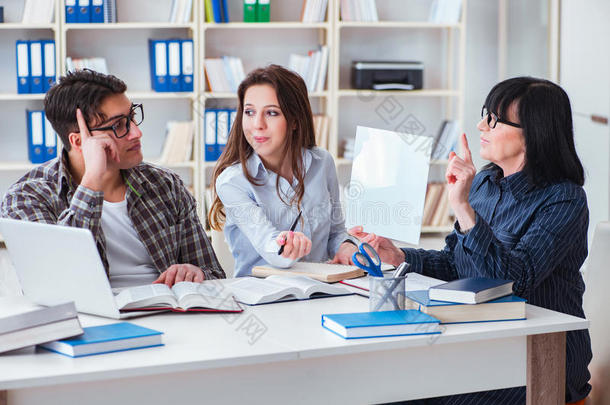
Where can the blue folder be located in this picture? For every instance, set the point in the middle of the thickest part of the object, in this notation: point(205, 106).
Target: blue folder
point(48, 62)
point(225, 11)
point(36, 67)
point(97, 11)
point(50, 140)
point(187, 60)
point(36, 148)
point(157, 51)
point(174, 64)
point(84, 11)
point(210, 125)
point(71, 11)
point(22, 56)
point(217, 11)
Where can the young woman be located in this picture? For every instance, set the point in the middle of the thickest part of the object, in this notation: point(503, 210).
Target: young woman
point(270, 172)
point(524, 217)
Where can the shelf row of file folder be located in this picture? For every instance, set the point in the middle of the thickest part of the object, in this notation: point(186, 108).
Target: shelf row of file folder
point(90, 11)
point(42, 139)
point(35, 65)
point(171, 64)
point(218, 124)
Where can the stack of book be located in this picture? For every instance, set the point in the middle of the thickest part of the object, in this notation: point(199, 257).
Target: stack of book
point(42, 138)
point(35, 65)
point(445, 11)
point(436, 206)
point(90, 11)
point(257, 11)
point(314, 11)
point(311, 67)
point(38, 11)
point(445, 139)
point(178, 146)
point(181, 11)
point(359, 10)
point(216, 11)
point(218, 124)
point(95, 64)
point(23, 323)
point(224, 74)
point(321, 125)
point(171, 64)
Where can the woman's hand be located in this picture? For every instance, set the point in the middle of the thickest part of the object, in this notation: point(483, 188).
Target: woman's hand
point(384, 247)
point(459, 175)
point(344, 254)
point(296, 244)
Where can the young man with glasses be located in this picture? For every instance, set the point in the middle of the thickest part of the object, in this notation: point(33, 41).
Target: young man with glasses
point(142, 217)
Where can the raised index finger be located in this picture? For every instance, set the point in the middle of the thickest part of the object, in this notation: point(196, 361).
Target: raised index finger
point(82, 124)
point(467, 153)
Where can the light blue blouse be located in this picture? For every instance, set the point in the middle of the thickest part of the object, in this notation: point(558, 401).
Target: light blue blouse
point(256, 215)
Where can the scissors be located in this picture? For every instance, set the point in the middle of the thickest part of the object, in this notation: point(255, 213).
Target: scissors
point(368, 260)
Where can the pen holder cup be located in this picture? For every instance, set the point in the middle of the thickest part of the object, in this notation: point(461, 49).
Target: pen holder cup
point(386, 294)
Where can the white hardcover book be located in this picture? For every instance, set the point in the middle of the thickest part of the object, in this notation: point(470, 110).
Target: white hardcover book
point(322, 10)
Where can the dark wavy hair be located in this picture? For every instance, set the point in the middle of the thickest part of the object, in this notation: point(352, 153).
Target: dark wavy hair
point(545, 115)
point(84, 89)
point(292, 96)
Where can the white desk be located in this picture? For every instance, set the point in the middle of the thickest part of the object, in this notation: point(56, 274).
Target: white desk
point(287, 357)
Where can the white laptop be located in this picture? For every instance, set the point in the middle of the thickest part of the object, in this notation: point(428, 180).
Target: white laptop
point(57, 263)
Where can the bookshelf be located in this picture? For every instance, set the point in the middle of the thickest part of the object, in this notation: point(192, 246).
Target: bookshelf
point(402, 33)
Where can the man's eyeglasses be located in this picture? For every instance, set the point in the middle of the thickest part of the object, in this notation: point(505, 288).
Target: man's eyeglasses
point(122, 125)
point(492, 119)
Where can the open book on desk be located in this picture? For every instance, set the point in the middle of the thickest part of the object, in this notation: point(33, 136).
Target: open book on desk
point(209, 296)
point(254, 291)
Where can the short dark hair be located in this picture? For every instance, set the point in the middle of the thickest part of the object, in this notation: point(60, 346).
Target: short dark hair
point(84, 89)
point(545, 115)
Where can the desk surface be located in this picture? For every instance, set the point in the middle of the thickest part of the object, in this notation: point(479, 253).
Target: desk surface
point(261, 334)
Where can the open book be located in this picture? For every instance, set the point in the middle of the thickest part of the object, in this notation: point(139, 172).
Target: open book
point(209, 296)
point(326, 272)
point(253, 291)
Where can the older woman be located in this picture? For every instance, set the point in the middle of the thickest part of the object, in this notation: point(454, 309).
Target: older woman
point(523, 217)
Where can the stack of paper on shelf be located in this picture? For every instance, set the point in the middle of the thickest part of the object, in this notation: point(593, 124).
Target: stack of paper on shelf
point(95, 64)
point(381, 323)
point(23, 323)
point(359, 10)
point(321, 124)
point(105, 339)
point(224, 74)
point(181, 11)
point(312, 68)
point(314, 11)
point(254, 291)
point(505, 308)
point(445, 11)
point(445, 139)
point(178, 146)
point(38, 11)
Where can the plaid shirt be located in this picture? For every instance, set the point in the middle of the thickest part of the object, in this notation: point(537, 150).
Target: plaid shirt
point(162, 210)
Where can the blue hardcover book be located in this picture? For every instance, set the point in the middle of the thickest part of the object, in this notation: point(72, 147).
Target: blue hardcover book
point(225, 11)
point(36, 67)
point(71, 12)
point(507, 308)
point(35, 124)
point(157, 51)
point(472, 290)
point(22, 56)
point(217, 10)
point(83, 14)
point(174, 65)
point(48, 61)
point(97, 11)
point(382, 323)
point(210, 124)
point(186, 56)
point(105, 339)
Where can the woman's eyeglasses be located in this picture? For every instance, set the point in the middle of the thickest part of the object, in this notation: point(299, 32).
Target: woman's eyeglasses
point(492, 119)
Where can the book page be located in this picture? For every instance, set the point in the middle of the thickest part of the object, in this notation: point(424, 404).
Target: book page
point(250, 290)
point(151, 295)
point(308, 286)
point(210, 294)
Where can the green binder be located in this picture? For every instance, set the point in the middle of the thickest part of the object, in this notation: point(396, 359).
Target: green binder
point(263, 10)
point(250, 8)
point(209, 13)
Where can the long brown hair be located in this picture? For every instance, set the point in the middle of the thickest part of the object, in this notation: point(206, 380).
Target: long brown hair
point(292, 96)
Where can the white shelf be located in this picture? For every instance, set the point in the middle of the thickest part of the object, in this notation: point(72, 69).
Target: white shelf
point(436, 229)
point(396, 24)
point(16, 166)
point(21, 97)
point(20, 26)
point(266, 26)
point(148, 95)
point(126, 26)
point(211, 94)
point(209, 164)
point(401, 93)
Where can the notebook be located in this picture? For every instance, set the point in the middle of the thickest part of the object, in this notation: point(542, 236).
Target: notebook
point(326, 272)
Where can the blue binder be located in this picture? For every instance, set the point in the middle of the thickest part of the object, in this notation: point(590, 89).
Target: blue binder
point(157, 51)
point(217, 11)
point(22, 56)
point(36, 150)
point(36, 67)
point(186, 55)
point(174, 63)
point(50, 140)
point(84, 11)
point(225, 11)
point(222, 131)
point(48, 62)
point(97, 11)
point(71, 12)
point(210, 134)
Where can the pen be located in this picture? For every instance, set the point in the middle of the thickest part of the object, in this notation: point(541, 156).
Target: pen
point(292, 228)
point(400, 271)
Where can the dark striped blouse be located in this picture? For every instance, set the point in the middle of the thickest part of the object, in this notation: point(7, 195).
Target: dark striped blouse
point(535, 236)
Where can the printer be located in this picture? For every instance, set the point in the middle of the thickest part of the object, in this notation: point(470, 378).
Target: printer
point(384, 75)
